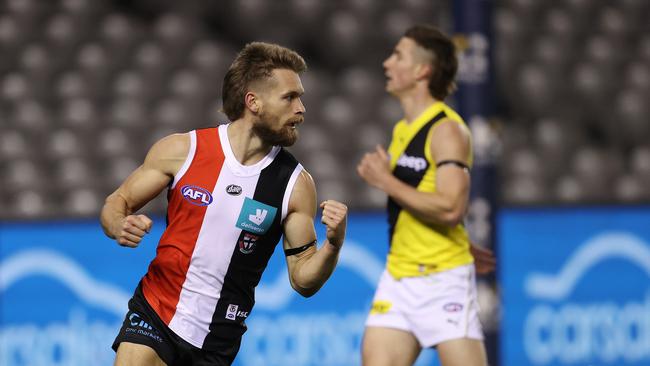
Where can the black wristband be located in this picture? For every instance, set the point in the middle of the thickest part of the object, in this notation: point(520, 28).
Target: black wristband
point(294, 251)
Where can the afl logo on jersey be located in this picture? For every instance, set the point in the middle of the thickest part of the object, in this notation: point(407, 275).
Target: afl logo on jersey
point(196, 195)
point(233, 190)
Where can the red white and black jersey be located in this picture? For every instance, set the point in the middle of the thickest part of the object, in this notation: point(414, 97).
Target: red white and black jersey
point(224, 221)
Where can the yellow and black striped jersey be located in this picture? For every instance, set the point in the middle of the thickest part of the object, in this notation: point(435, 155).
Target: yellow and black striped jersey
point(418, 248)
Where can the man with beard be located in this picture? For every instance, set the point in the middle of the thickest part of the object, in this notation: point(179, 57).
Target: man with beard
point(233, 190)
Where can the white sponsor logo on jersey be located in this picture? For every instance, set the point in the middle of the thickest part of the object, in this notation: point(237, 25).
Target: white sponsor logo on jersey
point(258, 218)
point(233, 312)
point(413, 162)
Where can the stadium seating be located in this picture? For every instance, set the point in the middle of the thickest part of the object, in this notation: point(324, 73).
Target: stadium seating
point(86, 86)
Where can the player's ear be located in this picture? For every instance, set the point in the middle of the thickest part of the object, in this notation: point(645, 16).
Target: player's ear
point(252, 102)
point(423, 71)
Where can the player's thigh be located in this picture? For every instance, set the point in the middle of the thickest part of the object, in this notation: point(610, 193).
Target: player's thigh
point(462, 352)
point(132, 354)
point(389, 347)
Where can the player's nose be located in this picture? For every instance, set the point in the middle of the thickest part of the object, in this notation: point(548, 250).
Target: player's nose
point(300, 107)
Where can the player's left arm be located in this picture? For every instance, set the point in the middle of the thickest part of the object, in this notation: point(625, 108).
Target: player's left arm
point(451, 146)
point(309, 267)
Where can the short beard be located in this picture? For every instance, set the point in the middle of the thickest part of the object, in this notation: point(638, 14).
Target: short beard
point(284, 137)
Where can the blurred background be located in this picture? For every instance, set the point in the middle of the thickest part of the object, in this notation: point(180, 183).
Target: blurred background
point(556, 93)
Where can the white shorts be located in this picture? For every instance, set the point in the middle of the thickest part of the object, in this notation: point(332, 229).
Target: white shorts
point(434, 308)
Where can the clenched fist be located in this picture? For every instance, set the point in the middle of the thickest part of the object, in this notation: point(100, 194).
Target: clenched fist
point(335, 215)
point(129, 231)
point(374, 168)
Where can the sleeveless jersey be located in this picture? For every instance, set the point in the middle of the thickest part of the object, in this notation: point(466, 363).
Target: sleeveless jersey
point(224, 220)
point(418, 248)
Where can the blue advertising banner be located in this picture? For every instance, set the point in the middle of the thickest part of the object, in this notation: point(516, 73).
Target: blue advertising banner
point(575, 286)
point(64, 289)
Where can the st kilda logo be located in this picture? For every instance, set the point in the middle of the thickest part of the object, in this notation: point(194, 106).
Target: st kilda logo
point(247, 243)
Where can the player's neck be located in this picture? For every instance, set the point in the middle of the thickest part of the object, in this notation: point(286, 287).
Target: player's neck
point(413, 104)
point(247, 147)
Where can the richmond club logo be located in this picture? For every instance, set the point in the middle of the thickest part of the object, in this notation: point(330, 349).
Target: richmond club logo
point(196, 195)
point(247, 243)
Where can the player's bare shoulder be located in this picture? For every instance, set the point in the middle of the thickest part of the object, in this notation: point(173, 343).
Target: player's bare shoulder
point(306, 181)
point(303, 196)
point(450, 139)
point(450, 129)
point(169, 153)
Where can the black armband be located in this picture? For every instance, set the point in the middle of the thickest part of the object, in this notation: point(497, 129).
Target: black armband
point(294, 251)
point(457, 163)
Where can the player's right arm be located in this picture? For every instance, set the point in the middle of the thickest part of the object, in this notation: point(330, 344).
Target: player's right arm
point(163, 161)
point(450, 142)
